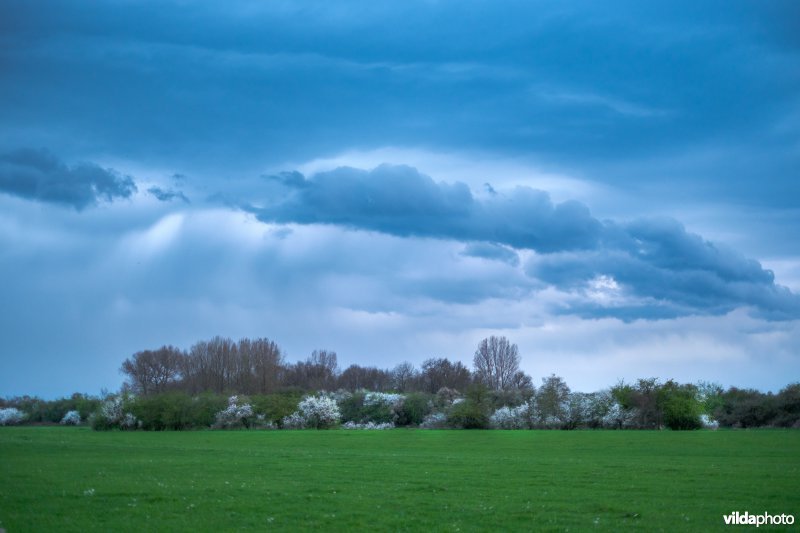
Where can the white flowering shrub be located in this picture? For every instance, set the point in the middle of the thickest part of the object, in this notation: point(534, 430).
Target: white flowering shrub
point(708, 422)
point(382, 407)
point(511, 417)
point(129, 422)
point(368, 425)
point(434, 421)
point(619, 418)
point(238, 414)
point(314, 412)
point(72, 418)
point(10, 416)
point(112, 414)
point(293, 421)
point(383, 398)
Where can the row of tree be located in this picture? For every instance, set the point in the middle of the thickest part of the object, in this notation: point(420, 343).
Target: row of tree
point(221, 365)
point(169, 381)
point(645, 404)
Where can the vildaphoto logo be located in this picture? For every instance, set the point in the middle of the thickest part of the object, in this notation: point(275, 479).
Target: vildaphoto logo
point(746, 519)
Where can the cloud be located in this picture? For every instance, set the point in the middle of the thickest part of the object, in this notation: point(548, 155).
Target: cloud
point(654, 268)
point(167, 195)
point(493, 252)
point(645, 268)
point(399, 200)
point(41, 176)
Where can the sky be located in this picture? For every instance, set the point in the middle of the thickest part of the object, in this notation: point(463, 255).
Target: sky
point(613, 186)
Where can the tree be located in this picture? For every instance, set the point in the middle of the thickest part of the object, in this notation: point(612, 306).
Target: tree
point(496, 363)
point(318, 372)
point(552, 401)
point(403, 376)
point(440, 372)
point(679, 405)
point(357, 377)
point(153, 371)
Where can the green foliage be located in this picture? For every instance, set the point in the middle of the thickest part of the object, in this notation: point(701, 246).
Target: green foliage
point(787, 405)
point(351, 407)
point(416, 406)
point(276, 406)
point(472, 412)
point(176, 410)
point(680, 406)
point(745, 408)
point(40, 411)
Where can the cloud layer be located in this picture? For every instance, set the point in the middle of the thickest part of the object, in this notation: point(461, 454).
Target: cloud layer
point(41, 176)
point(645, 268)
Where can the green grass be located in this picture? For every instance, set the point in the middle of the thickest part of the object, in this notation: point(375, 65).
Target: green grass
point(74, 479)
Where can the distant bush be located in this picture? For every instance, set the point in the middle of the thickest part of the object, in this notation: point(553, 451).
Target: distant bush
point(294, 421)
point(114, 413)
point(238, 414)
point(511, 417)
point(72, 418)
point(415, 407)
point(10, 416)
point(468, 414)
point(434, 421)
point(368, 425)
point(314, 412)
point(275, 407)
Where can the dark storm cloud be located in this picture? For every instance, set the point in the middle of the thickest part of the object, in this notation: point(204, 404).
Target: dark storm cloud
point(666, 271)
point(41, 176)
point(654, 263)
point(399, 200)
point(167, 195)
point(576, 84)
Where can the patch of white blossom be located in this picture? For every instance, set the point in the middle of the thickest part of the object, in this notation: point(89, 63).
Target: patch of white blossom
point(511, 417)
point(238, 414)
point(708, 422)
point(434, 421)
point(368, 425)
point(10, 416)
point(72, 418)
point(383, 398)
point(315, 412)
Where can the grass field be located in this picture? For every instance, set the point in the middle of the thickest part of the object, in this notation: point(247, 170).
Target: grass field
point(74, 479)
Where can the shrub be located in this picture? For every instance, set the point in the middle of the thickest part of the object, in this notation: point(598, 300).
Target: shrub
point(381, 407)
point(708, 422)
point(315, 412)
point(511, 417)
point(368, 425)
point(238, 414)
point(114, 414)
point(468, 414)
point(293, 421)
point(434, 421)
point(682, 413)
point(275, 407)
point(72, 418)
point(10, 416)
point(414, 409)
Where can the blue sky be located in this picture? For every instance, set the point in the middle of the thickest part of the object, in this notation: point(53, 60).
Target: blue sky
point(613, 186)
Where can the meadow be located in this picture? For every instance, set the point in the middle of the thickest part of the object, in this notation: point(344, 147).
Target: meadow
point(75, 479)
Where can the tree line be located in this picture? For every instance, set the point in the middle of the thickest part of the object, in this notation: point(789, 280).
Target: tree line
point(170, 388)
point(221, 365)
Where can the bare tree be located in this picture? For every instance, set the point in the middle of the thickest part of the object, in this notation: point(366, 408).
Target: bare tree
point(496, 363)
point(357, 377)
point(153, 371)
point(318, 372)
point(403, 377)
point(440, 372)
